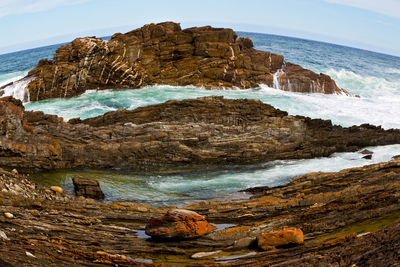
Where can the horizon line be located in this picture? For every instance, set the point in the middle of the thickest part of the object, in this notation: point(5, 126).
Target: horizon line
point(237, 31)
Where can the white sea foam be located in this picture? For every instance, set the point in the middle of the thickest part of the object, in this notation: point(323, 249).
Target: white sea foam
point(18, 89)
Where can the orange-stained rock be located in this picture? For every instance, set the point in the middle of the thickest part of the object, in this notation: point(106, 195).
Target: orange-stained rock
point(179, 224)
point(286, 236)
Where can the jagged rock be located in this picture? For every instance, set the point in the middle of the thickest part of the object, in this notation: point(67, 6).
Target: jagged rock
point(210, 131)
point(87, 187)
point(286, 236)
point(178, 224)
point(366, 152)
point(165, 54)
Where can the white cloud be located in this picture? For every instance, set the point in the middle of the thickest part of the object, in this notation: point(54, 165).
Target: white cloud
point(387, 7)
point(17, 7)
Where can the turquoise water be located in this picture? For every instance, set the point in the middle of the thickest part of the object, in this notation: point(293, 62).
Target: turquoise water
point(374, 77)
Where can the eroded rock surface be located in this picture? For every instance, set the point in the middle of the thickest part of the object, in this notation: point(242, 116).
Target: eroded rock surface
point(165, 54)
point(87, 187)
point(348, 218)
point(178, 224)
point(210, 131)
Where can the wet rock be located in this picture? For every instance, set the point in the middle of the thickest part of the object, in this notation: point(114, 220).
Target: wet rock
point(178, 224)
point(209, 131)
point(367, 156)
point(165, 54)
point(396, 157)
point(286, 236)
point(87, 187)
point(366, 152)
point(57, 189)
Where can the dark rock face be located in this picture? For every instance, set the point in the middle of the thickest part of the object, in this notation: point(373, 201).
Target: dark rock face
point(165, 54)
point(87, 187)
point(209, 131)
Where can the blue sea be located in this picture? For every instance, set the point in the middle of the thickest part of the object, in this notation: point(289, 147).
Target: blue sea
point(373, 77)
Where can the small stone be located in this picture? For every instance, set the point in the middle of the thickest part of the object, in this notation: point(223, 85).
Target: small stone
point(17, 188)
point(14, 172)
point(4, 190)
point(286, 236)
point(29, 254)
point(200, 255)
point(366, 152)
point(57, 189)
point(8, 215)
point(3, 235)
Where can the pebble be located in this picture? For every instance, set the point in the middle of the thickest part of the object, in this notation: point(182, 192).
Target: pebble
point(8, 215)
point(14, 172)
point(30, 254)
point(4, 190)
point(57, 189)
point(3, 235)
point(200, 255)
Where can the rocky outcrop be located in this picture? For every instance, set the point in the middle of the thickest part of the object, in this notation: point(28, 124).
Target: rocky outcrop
point(286, 236)
point(195, 133)
point(348, 218)
point(87, 187)
point(165, 54)
point(178, 224)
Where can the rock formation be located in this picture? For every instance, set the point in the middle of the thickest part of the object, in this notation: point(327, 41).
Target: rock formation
point(165, 54)
point(210, 131)
point(348, 218)
point(87, 187)
point(178, 224)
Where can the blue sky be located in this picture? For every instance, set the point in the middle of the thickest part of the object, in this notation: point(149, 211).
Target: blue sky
point(368, 24)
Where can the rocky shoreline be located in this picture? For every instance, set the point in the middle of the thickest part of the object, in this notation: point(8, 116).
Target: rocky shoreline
point(192, 133)
point(349, 217)
point(165, 54)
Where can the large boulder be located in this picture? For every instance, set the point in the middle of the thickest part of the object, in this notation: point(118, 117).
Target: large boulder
point(87, 187)
point(286, 236)
point(165, 54)
point(178, 224)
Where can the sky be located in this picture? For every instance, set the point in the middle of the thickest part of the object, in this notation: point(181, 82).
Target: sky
point(367, 24)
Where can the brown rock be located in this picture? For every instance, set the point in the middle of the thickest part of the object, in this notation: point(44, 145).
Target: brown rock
point(210, 131)
point(178, 224)
point(286, 236)
point(57, 189)
point(165, 54)
point(87, 187)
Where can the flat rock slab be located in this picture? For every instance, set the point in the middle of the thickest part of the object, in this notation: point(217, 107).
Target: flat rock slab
point(87, 187)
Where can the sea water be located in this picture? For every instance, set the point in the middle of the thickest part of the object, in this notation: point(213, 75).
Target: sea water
point(374, 78)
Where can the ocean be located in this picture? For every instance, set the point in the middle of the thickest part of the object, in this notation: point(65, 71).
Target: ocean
point(374, 78)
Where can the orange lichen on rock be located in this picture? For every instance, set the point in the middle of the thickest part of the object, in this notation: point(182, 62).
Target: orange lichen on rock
point(180, 224)
point(286, 236)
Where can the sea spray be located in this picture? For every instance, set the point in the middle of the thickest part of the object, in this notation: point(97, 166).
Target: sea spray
point(17, 89)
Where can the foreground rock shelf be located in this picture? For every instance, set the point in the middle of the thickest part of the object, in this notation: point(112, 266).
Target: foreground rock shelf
point(195, 133)
point(165, 54)
point(349, 217)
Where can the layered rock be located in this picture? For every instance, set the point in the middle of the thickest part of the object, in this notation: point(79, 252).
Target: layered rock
point(87, 187)
point(348, 218)
point(178, 224)
point(286, 236)
point(210, 131)
point(165, 54)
